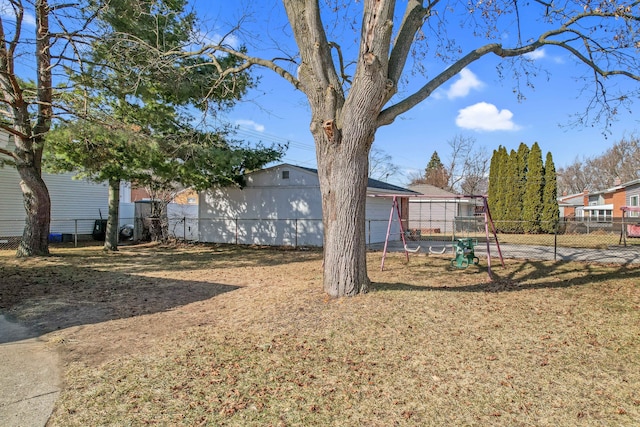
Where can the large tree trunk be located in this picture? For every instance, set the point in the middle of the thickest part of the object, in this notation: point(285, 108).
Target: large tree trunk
point(111, 233)
point(37, 204)
point(343, 127)
point(343, 177)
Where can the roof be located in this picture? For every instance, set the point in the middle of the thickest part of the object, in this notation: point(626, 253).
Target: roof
point(372, 183)
point(572, 199)
point(616, 187)
point(630, 183)
point(431, 190)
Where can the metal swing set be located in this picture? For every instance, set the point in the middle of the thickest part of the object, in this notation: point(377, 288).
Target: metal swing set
point(463, 248)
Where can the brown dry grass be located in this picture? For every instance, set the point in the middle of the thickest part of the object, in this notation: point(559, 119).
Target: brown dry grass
point(246, 337)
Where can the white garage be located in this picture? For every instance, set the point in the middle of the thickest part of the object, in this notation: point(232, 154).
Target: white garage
point(281, 205)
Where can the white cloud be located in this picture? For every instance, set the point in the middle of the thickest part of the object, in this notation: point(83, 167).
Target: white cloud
point(536, 54)
point(250, 124)
point(487, 117)
point(6, 11)
point(461, 87)
point(206, 38)
point(29, 19)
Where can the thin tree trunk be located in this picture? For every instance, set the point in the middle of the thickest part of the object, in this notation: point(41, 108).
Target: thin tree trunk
point(111, 233)
point(37, 204)
point(30, 134)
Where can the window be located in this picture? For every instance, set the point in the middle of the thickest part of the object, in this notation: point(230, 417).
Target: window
point(601, 215)
point(634, 201)
point(285, 174)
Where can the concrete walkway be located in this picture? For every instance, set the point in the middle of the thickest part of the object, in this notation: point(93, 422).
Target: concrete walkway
point(29, 377)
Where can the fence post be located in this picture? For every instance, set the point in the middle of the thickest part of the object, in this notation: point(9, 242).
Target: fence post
point(296, 237)
point(236, 230)
point(369, 227)
point(75, 233)
point(184, 228)
point(555, 241)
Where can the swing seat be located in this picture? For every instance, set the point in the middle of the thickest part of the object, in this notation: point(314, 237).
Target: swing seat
point(413, 251)
point(431, 251)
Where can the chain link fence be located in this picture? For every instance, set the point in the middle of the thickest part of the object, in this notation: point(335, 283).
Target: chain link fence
point(295, 232)
point(605, 241)
point(80, 231)
point(592, 235)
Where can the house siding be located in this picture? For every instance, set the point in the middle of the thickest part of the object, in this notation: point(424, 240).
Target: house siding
point(571, 205)
point(279, 206)
point(432, 216)
point(436, 209)
point(71, 199)
point(377, 213)
point(633, 190)
point(261, 215)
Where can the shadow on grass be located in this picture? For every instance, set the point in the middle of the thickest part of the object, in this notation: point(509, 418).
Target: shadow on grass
point(48, 298)
point(529, 275)
point(151, 257)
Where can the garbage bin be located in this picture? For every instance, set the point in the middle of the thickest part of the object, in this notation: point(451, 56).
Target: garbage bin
point(100, 229)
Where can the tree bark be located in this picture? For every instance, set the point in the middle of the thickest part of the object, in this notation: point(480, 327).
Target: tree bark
point(111, 233)
point(37, 204)
point(343, 126)
point(343, 184)
point(29, 129)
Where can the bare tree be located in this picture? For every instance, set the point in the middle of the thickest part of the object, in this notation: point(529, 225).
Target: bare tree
point(416, 177)
point(467, 169)
point(353, 93)
point(381, 165)
point(620, 162)
point(476, 175)
point(573, 179)
point(468, 166)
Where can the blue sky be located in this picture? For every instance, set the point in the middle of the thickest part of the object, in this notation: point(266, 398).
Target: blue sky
point(477, 103)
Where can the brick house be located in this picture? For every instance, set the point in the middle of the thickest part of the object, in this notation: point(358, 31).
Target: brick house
point(568, 203)
point(604, 205)
point(186, 196)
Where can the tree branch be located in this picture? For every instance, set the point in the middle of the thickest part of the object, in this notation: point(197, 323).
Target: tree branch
point(8, 153)
point(412, 21)
point(43, 51)
point(388, 115)
point(343, 74)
